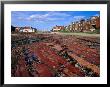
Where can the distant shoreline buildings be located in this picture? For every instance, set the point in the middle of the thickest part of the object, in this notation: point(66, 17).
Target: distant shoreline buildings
point(58, 28)
point(80, 26)
point(23, 29)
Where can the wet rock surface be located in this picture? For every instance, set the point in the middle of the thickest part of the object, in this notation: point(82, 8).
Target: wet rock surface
point(52, 55)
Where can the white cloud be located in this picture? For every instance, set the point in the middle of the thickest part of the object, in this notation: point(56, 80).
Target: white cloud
point(97, 15)
point(59, 14)
point(20, 18)
point(53, 19)
point(50, 16)
point(78, 17)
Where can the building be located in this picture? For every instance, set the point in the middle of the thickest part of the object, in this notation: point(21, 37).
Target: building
point(17, 29)
point(58, 28)
point(75, 26)
point(85, 25)
point(25, 29)
point(95, 22)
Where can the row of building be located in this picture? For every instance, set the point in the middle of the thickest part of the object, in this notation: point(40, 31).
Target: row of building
point(81, 26)
point(23, 29)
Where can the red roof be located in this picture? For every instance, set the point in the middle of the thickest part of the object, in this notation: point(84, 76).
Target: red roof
point(59, 27)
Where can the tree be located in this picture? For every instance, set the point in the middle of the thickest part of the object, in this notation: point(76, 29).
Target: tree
point(35, 30)
point(12, 28)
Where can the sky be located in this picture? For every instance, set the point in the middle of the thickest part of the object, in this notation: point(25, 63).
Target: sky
point(46, 20)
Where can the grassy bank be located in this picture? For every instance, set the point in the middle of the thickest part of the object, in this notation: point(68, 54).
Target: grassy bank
point(80, 34)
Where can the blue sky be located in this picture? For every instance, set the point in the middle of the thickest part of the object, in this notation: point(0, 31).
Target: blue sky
point(45, 20)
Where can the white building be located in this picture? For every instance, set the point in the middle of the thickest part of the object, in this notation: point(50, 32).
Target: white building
point(58, 28)
point(27, 29)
